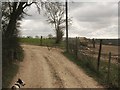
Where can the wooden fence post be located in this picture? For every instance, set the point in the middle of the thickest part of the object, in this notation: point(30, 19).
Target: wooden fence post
point(41, 40)
point(109, 67)
point(99, 55)
point(93, 41)
point(76, 47)
point(119, 74)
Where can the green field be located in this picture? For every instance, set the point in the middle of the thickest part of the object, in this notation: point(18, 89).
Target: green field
point(37, 41)
point(43, 42)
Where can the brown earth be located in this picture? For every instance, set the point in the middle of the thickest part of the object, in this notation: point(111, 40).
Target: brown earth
point(104, 52)
point(43, 68)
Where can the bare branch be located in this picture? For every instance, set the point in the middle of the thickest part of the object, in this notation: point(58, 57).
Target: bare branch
point(14, 6)
point(26, 4)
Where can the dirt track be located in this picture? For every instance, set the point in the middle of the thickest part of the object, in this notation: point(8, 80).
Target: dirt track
point(42, 68)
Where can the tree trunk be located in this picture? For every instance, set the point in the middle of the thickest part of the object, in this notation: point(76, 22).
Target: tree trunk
point(9, 34)
point(58, 35)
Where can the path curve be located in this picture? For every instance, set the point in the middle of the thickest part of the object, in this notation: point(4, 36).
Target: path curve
point(43, 68)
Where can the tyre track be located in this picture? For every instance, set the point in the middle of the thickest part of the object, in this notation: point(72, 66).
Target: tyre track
point(67, 71)
point(58, 80)
point(67, 76)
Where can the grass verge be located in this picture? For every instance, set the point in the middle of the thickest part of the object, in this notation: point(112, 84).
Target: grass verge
point(9, 70)
point(8, 73)
point(89, 66)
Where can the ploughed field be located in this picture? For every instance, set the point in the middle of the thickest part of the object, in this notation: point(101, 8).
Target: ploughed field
point(104, 52)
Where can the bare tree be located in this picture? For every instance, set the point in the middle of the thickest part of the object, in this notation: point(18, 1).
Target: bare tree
point(50, 36)
point(55, 11)
point(12, 13)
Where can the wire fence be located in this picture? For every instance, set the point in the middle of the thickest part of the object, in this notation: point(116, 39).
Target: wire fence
point(100, 59)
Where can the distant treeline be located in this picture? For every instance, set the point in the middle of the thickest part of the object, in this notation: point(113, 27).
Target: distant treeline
point(109, 41)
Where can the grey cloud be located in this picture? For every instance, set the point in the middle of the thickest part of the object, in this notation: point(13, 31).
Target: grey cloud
point(90, 19)
point(95, 11)
point(93, 0)
point(95, 15)
point(35, 27)
point(110, 32)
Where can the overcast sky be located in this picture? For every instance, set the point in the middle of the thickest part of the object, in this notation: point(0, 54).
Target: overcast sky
point(89, 19)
